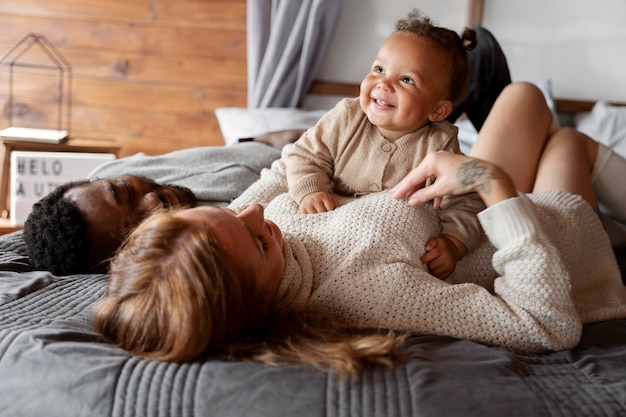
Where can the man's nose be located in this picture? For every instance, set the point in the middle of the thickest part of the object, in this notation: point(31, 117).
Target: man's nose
point(148, 202)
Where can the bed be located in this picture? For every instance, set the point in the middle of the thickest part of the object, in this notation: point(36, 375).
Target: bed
point(53, 364)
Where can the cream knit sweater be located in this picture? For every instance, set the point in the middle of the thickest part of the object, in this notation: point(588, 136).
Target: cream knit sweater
point(346, 154)
point(360, 265)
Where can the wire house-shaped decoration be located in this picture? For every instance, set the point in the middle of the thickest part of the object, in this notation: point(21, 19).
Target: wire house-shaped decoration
point(36, 91)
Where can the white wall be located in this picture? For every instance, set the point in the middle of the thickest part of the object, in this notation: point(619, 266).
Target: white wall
point(579, 44)
point(365, 24)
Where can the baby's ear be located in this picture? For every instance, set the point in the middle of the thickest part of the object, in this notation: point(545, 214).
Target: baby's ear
point(442, 110)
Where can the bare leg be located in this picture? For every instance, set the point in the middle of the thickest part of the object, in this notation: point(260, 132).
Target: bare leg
point(515, 133)
point(565, 165)
point(517, 137)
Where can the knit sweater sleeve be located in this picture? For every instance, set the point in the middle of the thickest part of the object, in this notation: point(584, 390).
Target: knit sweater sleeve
point(458, 217)
point(534, 281)
point(531, 307)
point(310, 163)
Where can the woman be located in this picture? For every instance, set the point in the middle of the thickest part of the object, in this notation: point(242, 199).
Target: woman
point(359, 265)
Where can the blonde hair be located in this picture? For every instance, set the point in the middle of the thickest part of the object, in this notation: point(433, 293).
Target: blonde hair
point(175, 295)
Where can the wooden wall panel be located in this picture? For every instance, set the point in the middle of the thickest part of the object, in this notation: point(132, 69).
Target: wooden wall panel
point(178, 40)
point(154, 68)
point(147, 75)
point(131, 11)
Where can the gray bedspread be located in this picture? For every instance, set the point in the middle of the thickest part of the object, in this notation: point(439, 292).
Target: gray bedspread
point(216, 174)
point(53, 364)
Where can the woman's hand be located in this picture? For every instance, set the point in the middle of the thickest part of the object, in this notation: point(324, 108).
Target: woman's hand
point(454, 174)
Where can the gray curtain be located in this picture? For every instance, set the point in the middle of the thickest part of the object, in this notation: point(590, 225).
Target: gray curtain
point(286, 42)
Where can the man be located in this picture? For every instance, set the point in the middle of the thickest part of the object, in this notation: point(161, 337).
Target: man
point(79, 226)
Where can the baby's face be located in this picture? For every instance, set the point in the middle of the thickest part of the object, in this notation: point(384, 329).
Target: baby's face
point(406, 86)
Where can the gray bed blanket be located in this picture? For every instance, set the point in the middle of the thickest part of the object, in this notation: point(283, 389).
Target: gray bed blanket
point(53, 364)
point(216, 174)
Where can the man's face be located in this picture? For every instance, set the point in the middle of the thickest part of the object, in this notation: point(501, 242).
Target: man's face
point(112, 207)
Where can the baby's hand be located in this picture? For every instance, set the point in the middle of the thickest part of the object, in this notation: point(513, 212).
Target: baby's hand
point(441, 256)
point(317, 202)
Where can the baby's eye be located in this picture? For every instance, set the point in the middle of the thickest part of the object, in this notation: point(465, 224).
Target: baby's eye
point(378, 69)
point(407, 80)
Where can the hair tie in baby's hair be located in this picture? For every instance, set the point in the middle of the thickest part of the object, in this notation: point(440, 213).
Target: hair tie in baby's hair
point(468, 38)
point(470, 42)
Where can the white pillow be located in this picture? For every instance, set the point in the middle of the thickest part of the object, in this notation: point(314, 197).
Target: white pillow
point(240, 122)
point(606, 124)
point(546, 88)
point(467, 135)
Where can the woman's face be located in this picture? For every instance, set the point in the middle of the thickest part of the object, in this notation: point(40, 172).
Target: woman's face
point(252, 242)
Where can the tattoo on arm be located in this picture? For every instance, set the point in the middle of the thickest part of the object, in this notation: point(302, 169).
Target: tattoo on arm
point(472, 173)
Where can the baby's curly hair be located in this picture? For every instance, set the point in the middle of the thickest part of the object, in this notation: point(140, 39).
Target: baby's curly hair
point(456, 46)
point(56, 234)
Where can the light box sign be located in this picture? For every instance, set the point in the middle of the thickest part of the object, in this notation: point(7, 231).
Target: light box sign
point(35, 174)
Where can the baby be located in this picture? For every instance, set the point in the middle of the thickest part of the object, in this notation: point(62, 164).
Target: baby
point(368, 144)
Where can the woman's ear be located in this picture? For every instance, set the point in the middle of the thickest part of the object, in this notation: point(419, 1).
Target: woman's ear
point(442, 110)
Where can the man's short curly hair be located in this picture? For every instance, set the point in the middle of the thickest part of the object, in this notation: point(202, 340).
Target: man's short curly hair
point(56, 235)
